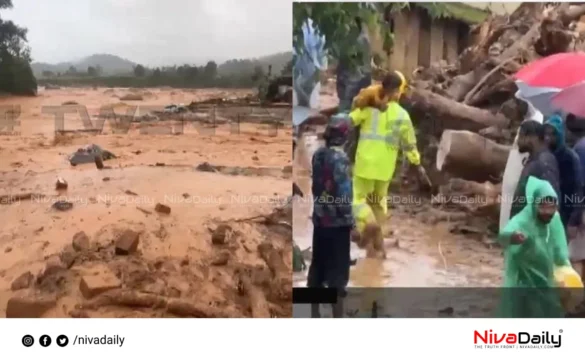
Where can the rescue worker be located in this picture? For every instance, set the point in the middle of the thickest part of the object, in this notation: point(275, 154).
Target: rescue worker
point(382, 135)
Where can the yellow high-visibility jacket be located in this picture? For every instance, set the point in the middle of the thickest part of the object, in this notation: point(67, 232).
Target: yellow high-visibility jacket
point(382, 135)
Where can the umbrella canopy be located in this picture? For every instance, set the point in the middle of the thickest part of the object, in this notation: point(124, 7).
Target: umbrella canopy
point(571, 100)
point(538, 97)
point(557, 71)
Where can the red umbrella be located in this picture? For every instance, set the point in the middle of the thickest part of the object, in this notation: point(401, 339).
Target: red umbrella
point(558, 71)
point(570, 100)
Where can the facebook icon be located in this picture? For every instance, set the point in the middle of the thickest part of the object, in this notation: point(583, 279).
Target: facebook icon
point(45, 340)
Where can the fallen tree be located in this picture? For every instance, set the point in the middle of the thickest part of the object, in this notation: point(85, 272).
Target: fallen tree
point(470, 156)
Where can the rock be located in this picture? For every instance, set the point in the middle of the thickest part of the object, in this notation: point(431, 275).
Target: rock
point(61, 184)
point(221, 259)
point(127, 242)
point(221, 235)
point(62, 205)
point(287, 169)
point(8, 249)
point(32, 306)
point(23, 281)
point(90, 286)
point(68, 256)
point(106, 179)
point(80, 241)
point(163, 209)
point(255, 158)
point(206, 167)
point(54, 266)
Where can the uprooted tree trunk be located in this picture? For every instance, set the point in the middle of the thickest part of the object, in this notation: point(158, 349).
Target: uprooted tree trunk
point(470, 156)
point(449, 114)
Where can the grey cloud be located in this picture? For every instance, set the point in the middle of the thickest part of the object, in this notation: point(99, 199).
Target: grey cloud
point(154, 32)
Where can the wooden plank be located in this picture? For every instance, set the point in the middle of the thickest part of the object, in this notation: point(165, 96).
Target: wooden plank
point(436, 41)
point(399, 49)
point(424, 43)
point(412, 40)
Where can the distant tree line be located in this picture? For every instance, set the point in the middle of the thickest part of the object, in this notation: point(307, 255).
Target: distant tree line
point(16, 75)
point(184, 76)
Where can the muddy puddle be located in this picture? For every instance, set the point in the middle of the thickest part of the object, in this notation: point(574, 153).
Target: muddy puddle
point(418, 255)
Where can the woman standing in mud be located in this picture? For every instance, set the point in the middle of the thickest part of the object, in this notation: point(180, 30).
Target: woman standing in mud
point(535, 243)
point(332, 216)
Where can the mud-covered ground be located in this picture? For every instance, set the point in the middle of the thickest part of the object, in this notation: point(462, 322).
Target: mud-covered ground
point(421, 251)
point(214, 254)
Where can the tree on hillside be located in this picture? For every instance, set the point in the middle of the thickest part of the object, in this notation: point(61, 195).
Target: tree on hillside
point(16, 75)
point(210, 70)
point(72, 70)
point(92, 71)
point(139, 70)
point(258, 73)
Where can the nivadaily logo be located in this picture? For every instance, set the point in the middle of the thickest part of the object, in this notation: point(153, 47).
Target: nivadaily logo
point(491, 339)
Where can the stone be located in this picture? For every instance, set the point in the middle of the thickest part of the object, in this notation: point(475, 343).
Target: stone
point(80, 241)
point(61, 184)
point(221, 235)
point(92, 285)
point(127, 242)
point(221, 259)
point(54, 265)
point(163, 209)
point(23, 281)
point(68, 256)
point(31, 306)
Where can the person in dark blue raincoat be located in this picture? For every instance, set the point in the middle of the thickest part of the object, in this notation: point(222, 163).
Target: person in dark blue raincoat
point(332, 215)
point(570, 174)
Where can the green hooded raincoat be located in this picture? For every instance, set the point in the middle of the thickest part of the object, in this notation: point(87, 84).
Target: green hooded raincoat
point(529, 285)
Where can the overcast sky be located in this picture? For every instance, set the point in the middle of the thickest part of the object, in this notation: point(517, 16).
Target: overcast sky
point(154, 32)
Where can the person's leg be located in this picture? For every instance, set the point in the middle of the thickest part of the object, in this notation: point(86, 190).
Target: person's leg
point(339, 265)
point(379, 205)
point(362, 211)
point(315, 278)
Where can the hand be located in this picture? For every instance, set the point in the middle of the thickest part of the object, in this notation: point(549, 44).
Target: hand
point(518, 238)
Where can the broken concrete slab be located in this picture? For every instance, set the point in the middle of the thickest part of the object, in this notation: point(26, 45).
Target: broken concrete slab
point(127, 243)
point(92, 285)
point(29, 306)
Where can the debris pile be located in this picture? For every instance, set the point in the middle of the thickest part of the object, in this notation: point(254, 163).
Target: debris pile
point(466, 113)
point(112, 274)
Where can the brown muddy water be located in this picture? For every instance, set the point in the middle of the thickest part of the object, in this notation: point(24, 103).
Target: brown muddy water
point(418, 256)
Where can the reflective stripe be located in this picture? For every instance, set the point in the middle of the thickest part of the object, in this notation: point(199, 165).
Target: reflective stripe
point(393, 136)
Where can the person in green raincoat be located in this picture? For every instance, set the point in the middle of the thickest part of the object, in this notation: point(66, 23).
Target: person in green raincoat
point(535, 243)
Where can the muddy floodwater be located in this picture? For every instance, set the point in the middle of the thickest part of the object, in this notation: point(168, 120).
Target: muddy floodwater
point(177, 269)
point(418, 255)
